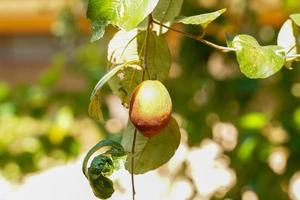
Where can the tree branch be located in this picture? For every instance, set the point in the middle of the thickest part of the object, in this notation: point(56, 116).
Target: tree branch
point(198, 38)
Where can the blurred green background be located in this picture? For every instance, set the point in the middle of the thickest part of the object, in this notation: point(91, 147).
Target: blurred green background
point(48, 69)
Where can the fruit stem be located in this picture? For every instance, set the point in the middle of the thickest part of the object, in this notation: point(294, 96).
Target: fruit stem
point(146, 44)
point(132, 163)
point(196, 37)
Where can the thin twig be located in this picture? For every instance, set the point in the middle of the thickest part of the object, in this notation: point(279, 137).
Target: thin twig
point(293, 56)
point(132, 164)
point(196, 37)
point(146, 44)
point(290, 58)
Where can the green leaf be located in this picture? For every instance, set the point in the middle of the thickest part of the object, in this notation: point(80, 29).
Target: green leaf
point(286, 38)
point(101, 13)
point(134, 12)
point(117, 12)
point(125, 81)
point(153, 152)
point(296, 18)
point(101, 166)
point(167, 10)
point(158, 59)
point(95, 104)
point(257, 61)
point(202, 20)
point(102, 186)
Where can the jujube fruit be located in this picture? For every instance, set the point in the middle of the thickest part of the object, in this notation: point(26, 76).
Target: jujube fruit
point(150, 107)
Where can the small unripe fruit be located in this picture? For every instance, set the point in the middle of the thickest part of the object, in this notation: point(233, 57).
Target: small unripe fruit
point(150, 107)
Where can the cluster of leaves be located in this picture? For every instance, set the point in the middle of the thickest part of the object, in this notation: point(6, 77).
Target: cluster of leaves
point(135, 53)
point(127, 48)
point(139, 52)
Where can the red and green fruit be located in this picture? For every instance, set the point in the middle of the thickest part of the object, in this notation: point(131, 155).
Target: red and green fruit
point(150, 107)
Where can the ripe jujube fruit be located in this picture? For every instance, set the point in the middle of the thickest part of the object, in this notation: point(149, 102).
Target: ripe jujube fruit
point(150, 107)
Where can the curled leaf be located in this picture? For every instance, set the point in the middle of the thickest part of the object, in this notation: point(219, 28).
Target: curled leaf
point(103, 166)
point(95, 103)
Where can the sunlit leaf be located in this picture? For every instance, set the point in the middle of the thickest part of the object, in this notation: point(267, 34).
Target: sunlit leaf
point(117, 12)
point(257, 61)
point(296, 18)
point(123, 47)
point(134, 12)
point(94, 109)
point(151, 153)
point(286, 38)
point(165, 13)
point(202, 19)
point(167, 10)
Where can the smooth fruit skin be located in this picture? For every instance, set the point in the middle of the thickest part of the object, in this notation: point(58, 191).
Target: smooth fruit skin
point(150, 107)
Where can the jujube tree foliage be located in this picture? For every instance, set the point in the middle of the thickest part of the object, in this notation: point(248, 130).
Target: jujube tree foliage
point(139, 61)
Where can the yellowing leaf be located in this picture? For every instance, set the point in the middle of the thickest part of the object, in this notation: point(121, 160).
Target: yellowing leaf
point(296, 18)
point(95, 104)
point(202, 19)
